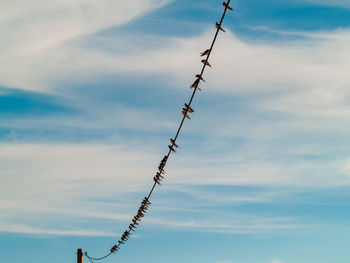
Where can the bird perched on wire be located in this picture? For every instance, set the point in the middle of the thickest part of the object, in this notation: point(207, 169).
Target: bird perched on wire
point(125, 236)
point(200, 77)
point(174, 143)
point(185, 113)
point(158, 178)
point(195, 84)
point(206, 63)
point(188, 108)
point(217, 25)
point(114, 249)
point(146, 202)
point(226, 5)
point(132, 227)
point(135, 221)
point(171, 147)
point(205, 53)
point(140, 213)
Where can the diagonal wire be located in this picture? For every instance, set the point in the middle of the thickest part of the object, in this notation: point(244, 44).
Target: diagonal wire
point(157, 179)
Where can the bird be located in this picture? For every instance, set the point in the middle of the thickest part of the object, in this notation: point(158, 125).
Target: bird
point(189, 109)
point(146, 202)
point(161, 168)
point(197, 88)
point(185, 114)
point(163, 163)
point(206, 63)
point(135, 221)
point(114, 249)
point(131, 227)
point(157, 180)
point(144, 208)
point(205, 52)
point(172, 148)
point(200, 77)
point(173, 143)
point(161, 171)
point(195, 83)
point(219, 27)
point(141, 210)
point(140, 213)
point(165, 158)
point(226, 5)
point(159, 175)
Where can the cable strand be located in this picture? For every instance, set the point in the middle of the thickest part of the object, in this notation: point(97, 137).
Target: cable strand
point(145, 203)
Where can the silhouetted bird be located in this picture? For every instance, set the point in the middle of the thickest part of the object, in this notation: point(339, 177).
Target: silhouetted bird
point(200, 77)
point(114, 249)
point(135, 221)
point(157, 180)
point(145, 202)
point(131, 227)
point(189, 109)
point(184, 112)
point(195, 83)
point(165, 158)
point(228, 7)
point(173, 143)
point(197, 87)
point(172, 148)
point(206, 63)
point(159, 175)
point(217, 25)
point(205, 53)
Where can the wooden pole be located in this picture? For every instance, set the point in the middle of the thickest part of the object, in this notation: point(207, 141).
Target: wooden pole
point(79, 255)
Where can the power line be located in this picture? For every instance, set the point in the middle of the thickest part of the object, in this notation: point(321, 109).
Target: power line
point(160, 173)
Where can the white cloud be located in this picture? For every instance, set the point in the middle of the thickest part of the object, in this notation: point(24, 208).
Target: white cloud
point(49, 170)
point(306, 77)
point(33, 30)
point(25, 229)
point(39, 181)
point(238, 66)
point(45, 188)
point(42, 180)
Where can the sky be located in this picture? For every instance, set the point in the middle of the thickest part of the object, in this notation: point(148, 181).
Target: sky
point(91, 92)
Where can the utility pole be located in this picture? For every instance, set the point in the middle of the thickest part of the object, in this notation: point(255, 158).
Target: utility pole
point(79, 255)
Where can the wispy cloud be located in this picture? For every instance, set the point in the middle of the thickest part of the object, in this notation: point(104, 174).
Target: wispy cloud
point(25, 229)
point(292, 70)
point(232, 224)
point(65, 181)
point(34, 32)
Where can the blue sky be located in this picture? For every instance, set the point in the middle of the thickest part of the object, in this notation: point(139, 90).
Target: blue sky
point(91, 92)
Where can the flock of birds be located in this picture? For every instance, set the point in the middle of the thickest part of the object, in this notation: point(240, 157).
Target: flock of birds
point(187, 109)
